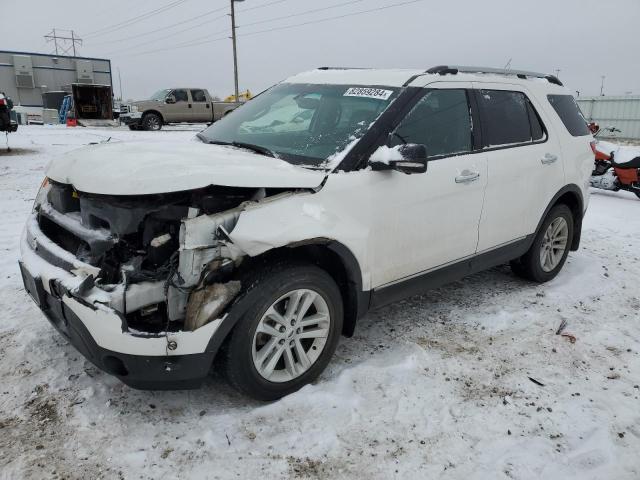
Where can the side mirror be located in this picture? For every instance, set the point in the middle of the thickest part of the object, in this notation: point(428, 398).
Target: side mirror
point(408, 158)
point(170, 99)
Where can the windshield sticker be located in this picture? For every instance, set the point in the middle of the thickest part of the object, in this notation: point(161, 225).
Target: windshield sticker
point(368, 93)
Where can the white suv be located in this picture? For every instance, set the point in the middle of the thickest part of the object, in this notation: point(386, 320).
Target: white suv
point(332, 193)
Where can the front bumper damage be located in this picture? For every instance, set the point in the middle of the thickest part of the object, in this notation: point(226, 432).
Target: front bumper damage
point(178, 359)
point(151, 333)
point(131, 118)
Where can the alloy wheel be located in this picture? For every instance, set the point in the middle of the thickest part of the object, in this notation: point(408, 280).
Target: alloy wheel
point(153, 123)
point(554, 244)
point(291, 335)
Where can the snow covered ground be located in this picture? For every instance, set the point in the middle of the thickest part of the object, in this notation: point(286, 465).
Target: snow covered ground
point(438, 386)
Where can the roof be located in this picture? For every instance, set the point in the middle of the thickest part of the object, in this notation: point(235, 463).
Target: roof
point(355, 76)
point(416, 77)
point(53, 55)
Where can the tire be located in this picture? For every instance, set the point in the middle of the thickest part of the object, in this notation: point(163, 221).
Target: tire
point(151, 121)
point(268, 292)
point(536, 265)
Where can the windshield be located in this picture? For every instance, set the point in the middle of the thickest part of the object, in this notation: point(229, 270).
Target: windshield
point(160, 95)
point(301, 123)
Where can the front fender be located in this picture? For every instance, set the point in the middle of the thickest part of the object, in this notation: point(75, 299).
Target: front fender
point(297, 219)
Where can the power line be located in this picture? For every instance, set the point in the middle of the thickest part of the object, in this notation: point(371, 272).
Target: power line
point(191, 43)
point(268, 4)
point(307, 12)
point(176, 47)
point(186, 29)
point(131, 21)
point(162, 29)
point(188, 43)
point(322, 20)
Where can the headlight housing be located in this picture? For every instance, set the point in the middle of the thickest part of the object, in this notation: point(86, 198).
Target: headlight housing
point(133, 108)
point(41, 196)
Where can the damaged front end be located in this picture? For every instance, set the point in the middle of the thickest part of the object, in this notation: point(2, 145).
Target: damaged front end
point(162, 262)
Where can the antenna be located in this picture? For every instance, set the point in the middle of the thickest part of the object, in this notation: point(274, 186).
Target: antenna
point(63, 44)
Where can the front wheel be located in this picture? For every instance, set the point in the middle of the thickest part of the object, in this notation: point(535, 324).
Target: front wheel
point(550, 248)
point(151, 121)
point(288, 334)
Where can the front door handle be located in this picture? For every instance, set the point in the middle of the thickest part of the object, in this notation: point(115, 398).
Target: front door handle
point(548, 158)
point(466, 176)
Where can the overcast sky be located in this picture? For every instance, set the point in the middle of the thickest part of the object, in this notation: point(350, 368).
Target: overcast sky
point(583, 38)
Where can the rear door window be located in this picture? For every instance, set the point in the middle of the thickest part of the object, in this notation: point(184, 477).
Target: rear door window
point(505, 118)
point(537, 130)
point(568, 111)
point(198, 96)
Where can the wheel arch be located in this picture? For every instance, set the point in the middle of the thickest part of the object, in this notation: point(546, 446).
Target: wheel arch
point(337, 260)
point(146, 112)
point(571, 196)
point(330, 255)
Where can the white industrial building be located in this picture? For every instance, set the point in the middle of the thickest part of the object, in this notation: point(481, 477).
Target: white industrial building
point(26, 76)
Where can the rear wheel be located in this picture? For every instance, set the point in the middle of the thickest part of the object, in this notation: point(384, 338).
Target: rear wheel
point(288, 334)
point(550, 248)
point(151, 121)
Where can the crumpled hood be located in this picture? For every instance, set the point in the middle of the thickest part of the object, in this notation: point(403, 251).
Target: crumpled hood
point(141, 168)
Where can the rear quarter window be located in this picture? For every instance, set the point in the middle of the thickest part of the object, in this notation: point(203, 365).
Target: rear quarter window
point(568, 111)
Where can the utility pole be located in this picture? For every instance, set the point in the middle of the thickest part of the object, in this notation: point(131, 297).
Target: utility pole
point(120, 82)
point(602, 86)
point(73, 43)
point(55, 40)
point(235, 52)
point(63, 44)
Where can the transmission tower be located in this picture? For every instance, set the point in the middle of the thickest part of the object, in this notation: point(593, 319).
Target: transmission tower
point(64, 43)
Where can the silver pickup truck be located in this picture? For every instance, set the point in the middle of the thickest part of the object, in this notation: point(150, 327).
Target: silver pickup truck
point(174, 105)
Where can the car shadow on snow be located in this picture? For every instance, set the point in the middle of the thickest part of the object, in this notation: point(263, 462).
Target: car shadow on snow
point(382, 329)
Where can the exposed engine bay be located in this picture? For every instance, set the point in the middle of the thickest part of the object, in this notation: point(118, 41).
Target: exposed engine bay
point(165, 258)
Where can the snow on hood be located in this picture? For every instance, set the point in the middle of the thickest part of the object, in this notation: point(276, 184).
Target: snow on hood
point(141, 168)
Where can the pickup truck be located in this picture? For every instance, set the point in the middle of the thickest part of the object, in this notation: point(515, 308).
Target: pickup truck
point(174, 105)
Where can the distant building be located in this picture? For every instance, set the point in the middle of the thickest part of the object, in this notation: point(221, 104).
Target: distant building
point(26, 76)
point(622, 112)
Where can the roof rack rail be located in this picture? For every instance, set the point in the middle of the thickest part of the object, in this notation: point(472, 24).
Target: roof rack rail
point(454, 69)
point(343, 68)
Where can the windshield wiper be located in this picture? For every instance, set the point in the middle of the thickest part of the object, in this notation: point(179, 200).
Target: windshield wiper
point(248, 146)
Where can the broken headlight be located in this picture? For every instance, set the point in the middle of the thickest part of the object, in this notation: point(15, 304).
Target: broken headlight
point(41, 196)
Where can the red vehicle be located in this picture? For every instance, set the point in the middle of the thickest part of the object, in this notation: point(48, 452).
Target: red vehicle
point(616, 167)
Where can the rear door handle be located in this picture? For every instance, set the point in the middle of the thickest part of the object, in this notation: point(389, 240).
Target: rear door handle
point(548, 158)
point(467, 177)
